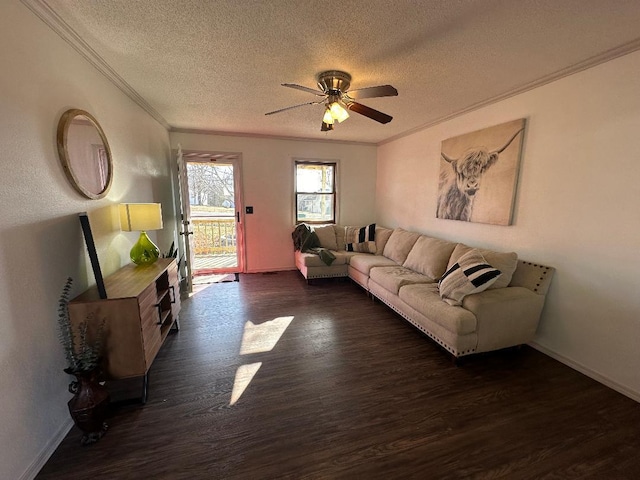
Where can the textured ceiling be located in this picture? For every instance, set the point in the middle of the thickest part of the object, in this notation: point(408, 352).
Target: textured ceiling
point(217, 65)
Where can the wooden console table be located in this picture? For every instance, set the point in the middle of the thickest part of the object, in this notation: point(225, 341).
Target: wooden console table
point(141, 307)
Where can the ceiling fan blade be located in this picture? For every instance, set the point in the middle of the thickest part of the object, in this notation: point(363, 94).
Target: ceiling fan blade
point(315, 91)
point(294, 106)
point(369, 112)
point(326, 127)
point(371, 92)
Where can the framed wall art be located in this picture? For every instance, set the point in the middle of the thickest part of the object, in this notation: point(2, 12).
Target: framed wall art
point(479, 173)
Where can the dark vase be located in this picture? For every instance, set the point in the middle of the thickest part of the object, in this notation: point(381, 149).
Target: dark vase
point(89, 406)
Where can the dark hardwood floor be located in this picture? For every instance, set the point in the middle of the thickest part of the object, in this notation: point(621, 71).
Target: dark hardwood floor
point(350, 390)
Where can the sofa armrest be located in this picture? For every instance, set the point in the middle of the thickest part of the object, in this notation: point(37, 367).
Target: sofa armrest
point(505, 316)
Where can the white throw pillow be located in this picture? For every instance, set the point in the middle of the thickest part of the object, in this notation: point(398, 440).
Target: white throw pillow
point(470, 274)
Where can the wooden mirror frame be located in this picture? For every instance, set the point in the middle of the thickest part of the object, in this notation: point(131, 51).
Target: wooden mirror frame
point(65, 158)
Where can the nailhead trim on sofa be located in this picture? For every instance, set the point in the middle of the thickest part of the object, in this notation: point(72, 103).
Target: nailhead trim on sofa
point(423, 330)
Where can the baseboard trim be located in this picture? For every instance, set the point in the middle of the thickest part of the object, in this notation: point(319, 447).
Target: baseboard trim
point(633, 395)
point(47, 451)
point(268, 270)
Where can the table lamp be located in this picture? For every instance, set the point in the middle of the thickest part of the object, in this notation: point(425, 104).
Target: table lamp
point(142, 217)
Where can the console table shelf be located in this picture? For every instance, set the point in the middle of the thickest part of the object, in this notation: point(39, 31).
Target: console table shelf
point(142, 304)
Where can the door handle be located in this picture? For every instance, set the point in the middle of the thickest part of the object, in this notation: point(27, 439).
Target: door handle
point(186, 233)
point(238, 217)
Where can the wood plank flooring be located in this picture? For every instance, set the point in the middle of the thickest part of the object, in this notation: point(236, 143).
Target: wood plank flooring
point(349, 391)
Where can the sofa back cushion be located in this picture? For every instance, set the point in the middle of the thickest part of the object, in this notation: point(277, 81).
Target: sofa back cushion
point(430, 256)
point(382, 237)
point(341, 230)
point(399, 245)
point(505, 262)
point(327, 236)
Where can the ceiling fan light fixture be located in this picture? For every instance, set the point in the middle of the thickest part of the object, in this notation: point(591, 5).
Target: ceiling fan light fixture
point(328, 118)
point(338, 111)
point(337, 99)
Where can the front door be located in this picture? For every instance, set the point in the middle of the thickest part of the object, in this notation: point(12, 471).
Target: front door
point(215, 209)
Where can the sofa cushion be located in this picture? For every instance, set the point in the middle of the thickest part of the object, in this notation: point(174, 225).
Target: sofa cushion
point(382, 237)
point(364, 263)
point(344, 256)
point(425, 298)
point(505, 262)
point(327, 236)
point(470, 274)
point(340, 231)
point(430, 256)
point(392, 278)
point(313, 260)
point(399, 245)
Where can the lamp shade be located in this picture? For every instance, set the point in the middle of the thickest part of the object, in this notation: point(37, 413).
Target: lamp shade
point(140, 216)
point(338, 112)
point(328, 119)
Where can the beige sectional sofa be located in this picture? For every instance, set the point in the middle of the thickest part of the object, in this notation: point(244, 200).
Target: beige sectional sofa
point(404, 273)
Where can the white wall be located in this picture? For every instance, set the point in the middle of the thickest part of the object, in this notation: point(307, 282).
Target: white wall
point(41, 242)
point(267, 166)
point(576, 209)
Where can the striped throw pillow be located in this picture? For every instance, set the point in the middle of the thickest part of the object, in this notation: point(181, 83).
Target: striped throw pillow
point(361, 239)
point(470, 274)
point(362, 247)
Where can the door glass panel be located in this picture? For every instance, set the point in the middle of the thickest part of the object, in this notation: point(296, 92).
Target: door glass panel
point(213, 217)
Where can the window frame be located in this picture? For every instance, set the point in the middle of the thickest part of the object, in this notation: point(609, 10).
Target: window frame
point(333, 193)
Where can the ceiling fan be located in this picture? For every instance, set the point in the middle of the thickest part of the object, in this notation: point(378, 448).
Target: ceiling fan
point(333, 87)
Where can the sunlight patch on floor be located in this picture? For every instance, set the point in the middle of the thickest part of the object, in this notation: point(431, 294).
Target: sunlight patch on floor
point(264, 336)
point(259, 338)
point(244, 375)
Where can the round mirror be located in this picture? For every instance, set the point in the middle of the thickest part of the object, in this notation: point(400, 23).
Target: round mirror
point(84, 153)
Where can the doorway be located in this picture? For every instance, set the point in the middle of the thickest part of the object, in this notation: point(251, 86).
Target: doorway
point(212, 215)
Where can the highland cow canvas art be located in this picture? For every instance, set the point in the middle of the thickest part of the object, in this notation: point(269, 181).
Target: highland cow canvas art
point(479, 173)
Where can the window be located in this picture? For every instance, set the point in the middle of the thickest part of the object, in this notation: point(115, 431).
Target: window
point(315, 192)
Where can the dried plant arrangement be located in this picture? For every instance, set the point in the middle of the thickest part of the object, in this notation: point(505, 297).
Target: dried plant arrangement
point(81, 354)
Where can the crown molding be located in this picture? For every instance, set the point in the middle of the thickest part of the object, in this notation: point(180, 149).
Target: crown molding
point(43, 11)
point(604, 57)
point(270, 137)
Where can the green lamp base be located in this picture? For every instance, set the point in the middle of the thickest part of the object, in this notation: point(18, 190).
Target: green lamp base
point(144, 252)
